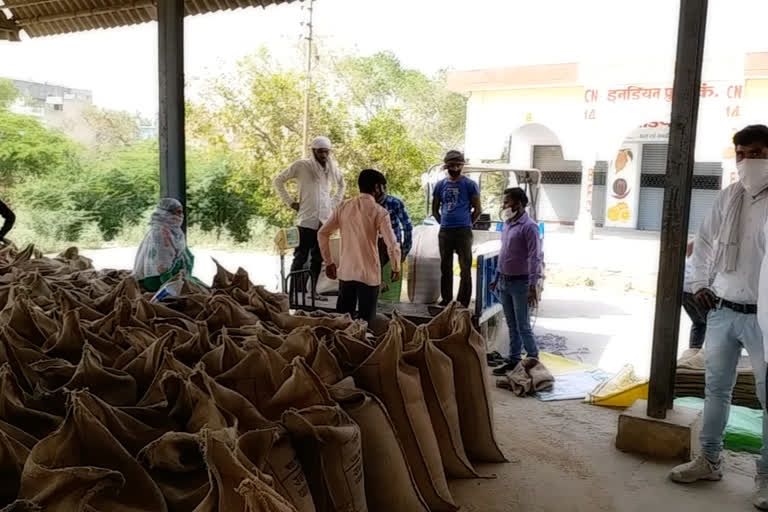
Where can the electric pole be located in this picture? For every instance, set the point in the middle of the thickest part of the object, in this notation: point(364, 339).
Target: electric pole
point(308, 80)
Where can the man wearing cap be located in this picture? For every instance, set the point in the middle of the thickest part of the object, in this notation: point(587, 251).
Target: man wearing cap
point(315, 176)
point(456, 206)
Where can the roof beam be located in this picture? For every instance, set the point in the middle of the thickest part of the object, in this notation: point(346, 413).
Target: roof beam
point(85, 13)
point(9, 31)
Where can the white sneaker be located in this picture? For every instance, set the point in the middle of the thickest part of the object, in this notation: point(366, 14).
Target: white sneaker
point(698, 469)
point(760, 498)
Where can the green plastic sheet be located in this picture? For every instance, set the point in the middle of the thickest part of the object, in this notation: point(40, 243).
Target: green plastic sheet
point(744, 431)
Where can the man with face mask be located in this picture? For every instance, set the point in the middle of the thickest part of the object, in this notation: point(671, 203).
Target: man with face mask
point(361, 220)
point(456, 206)
point(727, 252)
point(315, 176)
point(517, 275)
point(403, 229)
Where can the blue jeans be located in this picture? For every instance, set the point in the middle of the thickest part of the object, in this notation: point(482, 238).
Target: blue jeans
point(513, 295)
point(727, 333)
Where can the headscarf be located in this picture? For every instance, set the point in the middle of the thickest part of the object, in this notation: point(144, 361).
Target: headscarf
point(321, 142)
point(332, 170)
point(165, 244)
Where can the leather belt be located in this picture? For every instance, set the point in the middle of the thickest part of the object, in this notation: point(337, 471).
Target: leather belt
point(745, 309)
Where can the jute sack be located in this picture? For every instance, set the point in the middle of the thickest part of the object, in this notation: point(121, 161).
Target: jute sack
point(247, 416)
point(302, 389)
point(191, 408)
point(330, 448)
point(144, 365)
point(326, 366)
point(269, 335)
point(155, 392)
point(258, 376)
point(409, 328)
point(30, 322)
point(397, 385)
point(232, 486)
point(81, 466)
point(301, 342)
point(176, 465)
point(389, 484)
point(132, 434)
point(224, 357)
point(68, 302)
point(69, 341)
point(115, 387)
point(13, 455)
point(437, 381)
point(288, 322)
point(15, 411)
point(349, 351)
point(452, 332)
point(193, 350)
point(272, 452)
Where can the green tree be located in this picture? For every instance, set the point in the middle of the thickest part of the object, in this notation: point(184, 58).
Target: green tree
point(379, 83)
point(28, 149)
point(112, 128)
point(256, 113)
point(219, 198)
point(8, 93)
point(383, 142)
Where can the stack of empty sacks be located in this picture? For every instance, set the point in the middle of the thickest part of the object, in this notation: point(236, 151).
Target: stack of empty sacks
point(220, 399)
point(691, 376)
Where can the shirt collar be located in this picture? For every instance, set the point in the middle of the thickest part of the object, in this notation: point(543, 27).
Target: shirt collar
point(520, 220)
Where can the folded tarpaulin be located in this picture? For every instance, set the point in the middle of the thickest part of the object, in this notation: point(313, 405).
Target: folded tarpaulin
point(744, 430)
point(574, 385)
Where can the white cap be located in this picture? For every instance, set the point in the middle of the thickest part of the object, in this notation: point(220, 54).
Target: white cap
point(321, 143)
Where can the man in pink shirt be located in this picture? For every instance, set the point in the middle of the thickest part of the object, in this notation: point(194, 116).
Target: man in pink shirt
point(360, 221)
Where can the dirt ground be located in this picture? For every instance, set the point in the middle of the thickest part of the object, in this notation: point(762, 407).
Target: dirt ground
point(564, 459)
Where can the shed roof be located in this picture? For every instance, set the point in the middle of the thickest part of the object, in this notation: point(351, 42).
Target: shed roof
point(38, 18)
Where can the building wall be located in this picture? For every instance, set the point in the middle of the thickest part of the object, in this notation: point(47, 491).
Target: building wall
point(591, 110)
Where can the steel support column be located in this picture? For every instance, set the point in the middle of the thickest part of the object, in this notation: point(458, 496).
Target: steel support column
point(677, 201)
point(173, 173)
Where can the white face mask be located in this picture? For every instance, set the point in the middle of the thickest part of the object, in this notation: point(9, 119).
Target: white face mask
point(506, 214)
point(753, 173)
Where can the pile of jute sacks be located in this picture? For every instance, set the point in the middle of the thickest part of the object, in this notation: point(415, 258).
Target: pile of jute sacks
point(221, 400)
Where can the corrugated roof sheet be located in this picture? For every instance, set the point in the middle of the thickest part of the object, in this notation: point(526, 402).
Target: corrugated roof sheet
point(38, 18)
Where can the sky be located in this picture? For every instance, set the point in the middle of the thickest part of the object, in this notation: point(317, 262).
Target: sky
point(120, 65)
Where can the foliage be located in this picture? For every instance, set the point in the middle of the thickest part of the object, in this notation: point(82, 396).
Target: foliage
point(384, 143)
point(112, 128)
point(243, 128)
point(27, 149)
point(379, 83)
point(217, 200)
point(256, 114)
point(8, 93)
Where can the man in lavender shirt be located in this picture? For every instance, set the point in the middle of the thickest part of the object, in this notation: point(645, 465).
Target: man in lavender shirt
point(517, 276)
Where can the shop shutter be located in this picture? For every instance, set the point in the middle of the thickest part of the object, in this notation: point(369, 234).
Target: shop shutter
point(561, 184)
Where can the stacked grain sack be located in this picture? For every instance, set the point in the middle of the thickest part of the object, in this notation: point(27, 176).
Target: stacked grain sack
point(220, 399)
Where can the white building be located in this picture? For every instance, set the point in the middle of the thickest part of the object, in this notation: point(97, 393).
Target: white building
point(599, 131)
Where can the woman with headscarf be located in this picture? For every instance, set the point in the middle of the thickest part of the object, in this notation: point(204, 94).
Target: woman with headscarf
point(163, 253)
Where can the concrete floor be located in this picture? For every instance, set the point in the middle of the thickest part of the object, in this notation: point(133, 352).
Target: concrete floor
point(565, 460)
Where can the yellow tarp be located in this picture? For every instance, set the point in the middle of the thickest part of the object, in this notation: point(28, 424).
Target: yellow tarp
point(621, 390)
point(558, 365)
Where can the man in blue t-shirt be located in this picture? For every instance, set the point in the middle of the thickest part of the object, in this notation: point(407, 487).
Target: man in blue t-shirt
point(456, 206)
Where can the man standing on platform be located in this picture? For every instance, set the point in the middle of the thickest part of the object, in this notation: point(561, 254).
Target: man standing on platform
point(731, 244)
point(361, 220)
point(456, 206)
point(315, 176)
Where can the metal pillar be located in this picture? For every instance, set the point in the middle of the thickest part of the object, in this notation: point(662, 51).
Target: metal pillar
point(173, 172)
point(677, 201)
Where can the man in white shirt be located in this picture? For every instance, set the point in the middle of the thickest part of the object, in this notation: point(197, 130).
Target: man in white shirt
point(731, 245)
point(314, 176)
